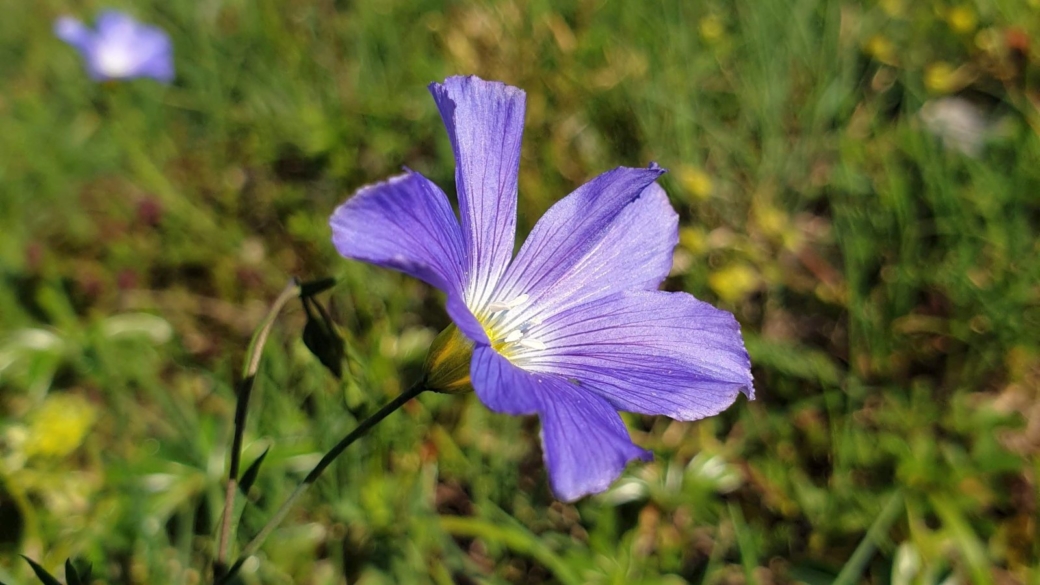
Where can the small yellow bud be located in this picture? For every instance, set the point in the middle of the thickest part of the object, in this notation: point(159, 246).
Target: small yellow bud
point(447, 364)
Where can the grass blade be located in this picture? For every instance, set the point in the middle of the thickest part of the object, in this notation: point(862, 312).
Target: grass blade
point(41, 573)
point(853, 569)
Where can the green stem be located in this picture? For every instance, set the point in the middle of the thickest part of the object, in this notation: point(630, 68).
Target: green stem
point(315, 473)
point(245, 390)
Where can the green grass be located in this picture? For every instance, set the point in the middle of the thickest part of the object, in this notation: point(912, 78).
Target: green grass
point(887, 287)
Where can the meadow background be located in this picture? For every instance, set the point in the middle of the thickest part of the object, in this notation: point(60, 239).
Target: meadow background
point(884, 267)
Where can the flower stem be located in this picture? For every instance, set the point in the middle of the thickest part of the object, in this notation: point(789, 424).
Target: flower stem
point(316, 472)
point(245, 390)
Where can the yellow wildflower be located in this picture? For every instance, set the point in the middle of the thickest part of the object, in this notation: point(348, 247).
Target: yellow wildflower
point(695, 181)
point(711, 28)
point(962, 19)
point(58, 427)
point(940, 77)
point(693, 240)
point(734, 282)
point(893, 8)
point(881, 48)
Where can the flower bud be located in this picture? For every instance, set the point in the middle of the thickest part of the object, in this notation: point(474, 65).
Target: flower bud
point(447, 364)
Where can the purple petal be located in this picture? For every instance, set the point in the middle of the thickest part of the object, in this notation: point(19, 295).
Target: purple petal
point(499, 384)
point(485, 122)
point(569, 247)
point(465, 320)
point(616, 233)
point(124, 48)
point(406, 224)
point(113, 23)
point(157, 56)
point(585, 443)
point(647, 352)
point(74, 33)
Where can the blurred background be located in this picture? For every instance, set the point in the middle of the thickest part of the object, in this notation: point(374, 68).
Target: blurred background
point(858, 181)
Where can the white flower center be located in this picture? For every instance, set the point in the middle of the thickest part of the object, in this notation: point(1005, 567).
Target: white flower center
point(508, 329)
point(114, 59)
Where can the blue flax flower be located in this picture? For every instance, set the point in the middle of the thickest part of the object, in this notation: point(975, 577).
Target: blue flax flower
point(120, 47)
point(573, 328)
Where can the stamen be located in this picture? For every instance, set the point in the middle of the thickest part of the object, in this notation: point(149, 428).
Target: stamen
point(507, 325)
point(499, 306)
point(532, 344)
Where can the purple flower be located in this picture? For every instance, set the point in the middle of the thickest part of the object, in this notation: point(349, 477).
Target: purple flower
point(573, 328)
point(120, 47)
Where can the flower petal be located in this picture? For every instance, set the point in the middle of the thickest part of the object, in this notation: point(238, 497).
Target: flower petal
point(406, 224)
point(156, 55)
point(74, 33)
point(115, 24)
point(584, 441)
point(615, 233)
point(124, 48)
point(499, 384)
point(485, 121)
point(649, 352)
point(464, 319)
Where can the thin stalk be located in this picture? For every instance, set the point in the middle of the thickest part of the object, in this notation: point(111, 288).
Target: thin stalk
point(245, 390)
point(316, 472)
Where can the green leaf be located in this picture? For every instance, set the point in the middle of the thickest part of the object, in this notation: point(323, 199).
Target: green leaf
point(71, 576)
point(41, 573)
point(249, 477)
point(74, 577)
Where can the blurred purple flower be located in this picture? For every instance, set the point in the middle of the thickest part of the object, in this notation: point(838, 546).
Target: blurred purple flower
point(120, 47)
point(573, 328)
